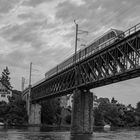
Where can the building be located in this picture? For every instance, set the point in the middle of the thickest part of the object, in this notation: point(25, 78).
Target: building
point(66, 101)
point(4, 93)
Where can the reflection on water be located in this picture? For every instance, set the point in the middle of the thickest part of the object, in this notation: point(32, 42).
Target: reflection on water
point(36, 133)
point(82, 137)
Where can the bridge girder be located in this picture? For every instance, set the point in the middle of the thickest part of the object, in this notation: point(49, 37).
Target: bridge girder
point(117, 62)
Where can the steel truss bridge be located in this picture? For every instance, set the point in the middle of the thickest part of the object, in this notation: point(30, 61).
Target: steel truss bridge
point(116, 62)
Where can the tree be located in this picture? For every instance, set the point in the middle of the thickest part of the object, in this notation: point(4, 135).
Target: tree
point(138, 107)
point(5, 79)
point(13, 113)
point(51, 111)
point(17, 113)
point(113, 101)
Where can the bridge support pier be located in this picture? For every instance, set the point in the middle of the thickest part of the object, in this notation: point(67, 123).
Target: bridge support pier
point(82, 112)
point(34, 117)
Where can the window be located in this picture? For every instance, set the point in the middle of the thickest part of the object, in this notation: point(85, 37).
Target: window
point(2, 95)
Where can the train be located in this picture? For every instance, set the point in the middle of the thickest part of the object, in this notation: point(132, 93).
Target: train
point(107, 38)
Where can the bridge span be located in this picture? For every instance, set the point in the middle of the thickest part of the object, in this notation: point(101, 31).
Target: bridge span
point(117, 61)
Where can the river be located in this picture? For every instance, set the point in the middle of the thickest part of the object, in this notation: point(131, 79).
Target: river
point(36, 133)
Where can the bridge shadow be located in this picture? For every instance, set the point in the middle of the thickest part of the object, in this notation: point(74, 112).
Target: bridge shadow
point(82, 137)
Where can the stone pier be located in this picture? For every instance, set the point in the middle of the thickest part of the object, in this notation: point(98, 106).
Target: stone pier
point(35, 114)
point(82, 112)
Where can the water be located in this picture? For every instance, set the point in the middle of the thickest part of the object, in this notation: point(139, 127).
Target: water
point(31, 133)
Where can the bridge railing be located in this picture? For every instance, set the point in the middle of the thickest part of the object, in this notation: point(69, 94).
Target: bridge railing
point(125, 34)
point(38, 82)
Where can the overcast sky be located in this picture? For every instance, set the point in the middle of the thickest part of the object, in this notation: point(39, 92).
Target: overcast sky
point(43, 31)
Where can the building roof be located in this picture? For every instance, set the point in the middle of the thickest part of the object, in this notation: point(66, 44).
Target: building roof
point(2, 86)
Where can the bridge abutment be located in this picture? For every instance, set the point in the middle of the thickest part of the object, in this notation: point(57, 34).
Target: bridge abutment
point(82, 112)
point(34, 117)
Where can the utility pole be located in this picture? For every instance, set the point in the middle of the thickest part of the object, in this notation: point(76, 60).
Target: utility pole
point(22, 83)
point(76, 34)
point(30, 74)
point(29, 95)
point(76, 40)
point(76, 37)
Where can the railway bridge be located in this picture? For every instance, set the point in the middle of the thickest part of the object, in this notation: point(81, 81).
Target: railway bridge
point(113, 63)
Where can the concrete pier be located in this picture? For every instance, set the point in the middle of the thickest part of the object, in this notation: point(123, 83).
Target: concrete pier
point(35, 114)
point(82, 112)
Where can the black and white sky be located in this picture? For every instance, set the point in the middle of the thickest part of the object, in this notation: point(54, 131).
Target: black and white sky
point(43, 32)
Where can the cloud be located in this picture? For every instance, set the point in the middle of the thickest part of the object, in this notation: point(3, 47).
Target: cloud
point(6, 5)
point(34, 3)
point(25, 33)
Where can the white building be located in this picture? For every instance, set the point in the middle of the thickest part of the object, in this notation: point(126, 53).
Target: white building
point(4, 93)
point(66, 101)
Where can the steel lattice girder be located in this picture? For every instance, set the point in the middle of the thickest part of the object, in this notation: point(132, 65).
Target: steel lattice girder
point(117, 62)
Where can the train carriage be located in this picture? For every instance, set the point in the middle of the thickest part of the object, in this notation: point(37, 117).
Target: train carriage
point(108, 38)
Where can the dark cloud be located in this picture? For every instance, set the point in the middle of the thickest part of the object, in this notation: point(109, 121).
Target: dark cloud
point(7, 5)
point(30, 15)
point(34, 3)
point(68, 11)
point(26, 33)
point(13, 59)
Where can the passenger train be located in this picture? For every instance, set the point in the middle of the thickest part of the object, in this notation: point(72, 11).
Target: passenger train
point(109, 37)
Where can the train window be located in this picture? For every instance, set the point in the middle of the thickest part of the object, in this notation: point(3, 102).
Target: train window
point(93, 45)
point(102, 40)
point(82, 54)
point(112, 34)
point(96, 44)
point(79, 55)
point(2, 95)
point(105, 38)
point(90, 49)
point(87, 50)
point(99, 41)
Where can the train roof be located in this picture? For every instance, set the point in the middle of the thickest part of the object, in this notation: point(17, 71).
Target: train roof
point(107, 32)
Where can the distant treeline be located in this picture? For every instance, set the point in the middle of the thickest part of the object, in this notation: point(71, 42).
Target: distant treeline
point(116, 114)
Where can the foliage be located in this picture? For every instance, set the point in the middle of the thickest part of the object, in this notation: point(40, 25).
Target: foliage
point(51, 111)
point(5, 78)
point(138, 107)
point(13, 113)
point(68, 119)
point(116, 114)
